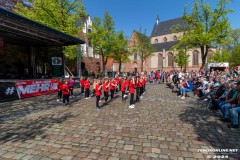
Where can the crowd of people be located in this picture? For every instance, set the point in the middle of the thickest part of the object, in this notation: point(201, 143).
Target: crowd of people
point(220, 88)
point(106, 87)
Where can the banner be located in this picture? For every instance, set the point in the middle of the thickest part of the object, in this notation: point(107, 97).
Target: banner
point(30, 88)
point(8, 91)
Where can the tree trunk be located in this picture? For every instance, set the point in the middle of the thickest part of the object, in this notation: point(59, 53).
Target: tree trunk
point(120, 66)
point(202, 55)
point(104, 66)
point(142, 63)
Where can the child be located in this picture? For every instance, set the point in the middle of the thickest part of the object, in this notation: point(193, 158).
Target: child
point(123, 88)
point(94, 85)
point(137, 82)
point(140, 84)
point(71, 86)
point(60, 84)
point(112, 87)
point(106, 89)
point(87, 88)
point(82, 85)
point(131, 91)
point(98, 92)
point(66, 92)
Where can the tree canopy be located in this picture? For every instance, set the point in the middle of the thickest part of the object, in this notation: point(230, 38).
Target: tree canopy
point(103, 38)
point(208, 27)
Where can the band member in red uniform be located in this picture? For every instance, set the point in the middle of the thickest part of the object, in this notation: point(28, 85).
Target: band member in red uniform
point(144, 84)
point(137, 84)
point(98, 92)
point(87, 88)
point(66, 92)
point(140, 85)
point(106, 89)
point(112, 87)
point(60, 84)
point(124, 86)
point(82, 85)
point(131, 91)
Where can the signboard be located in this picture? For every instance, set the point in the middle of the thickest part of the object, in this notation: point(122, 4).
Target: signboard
point(226, 65)
point(8, 91)
point(57, 61)
point(30, 88)
point(57, 67)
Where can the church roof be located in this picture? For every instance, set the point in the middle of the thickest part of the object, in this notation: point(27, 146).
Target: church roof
point(164, 28)
point(158, 47)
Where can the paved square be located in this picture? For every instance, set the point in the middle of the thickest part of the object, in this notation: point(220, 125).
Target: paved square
point(160, 127)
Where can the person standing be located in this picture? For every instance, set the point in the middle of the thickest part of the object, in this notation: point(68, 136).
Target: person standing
point(71, 86)
point(82, 85)
point(98, 92)
point(124, 85)
point(112, 87)
point(106, 89)
point(87, 88)
point(131, 91)
point(138, 86)
point(66, 92)
point(60, 84)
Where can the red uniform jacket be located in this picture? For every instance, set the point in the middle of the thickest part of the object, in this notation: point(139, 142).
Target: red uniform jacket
point(86, 84)
point(139, 85)
point(124, 86)
point(97, 91)
point(65, 89)
point(106, 87)
point(131, 87)
point(112, 85)
point(82, 82)
point(60, 84)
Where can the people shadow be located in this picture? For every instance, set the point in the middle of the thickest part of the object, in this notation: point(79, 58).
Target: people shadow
point(30, 128)
point(210, 130)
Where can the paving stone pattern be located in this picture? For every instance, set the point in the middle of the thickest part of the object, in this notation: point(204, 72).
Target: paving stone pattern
point(161, 126)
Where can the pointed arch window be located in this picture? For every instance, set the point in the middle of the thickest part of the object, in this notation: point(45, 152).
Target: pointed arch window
point(160, 61)
point(165, 39)
point(195, 58)
point(170, 59)
point(174, 38)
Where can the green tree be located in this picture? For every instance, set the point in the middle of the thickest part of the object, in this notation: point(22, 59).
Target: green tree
point(235, 56)
point(142, 47)
point(234, 40)
point(62, 15)
point(120, 51)
point(221, 56)
point(208, 28)
point(102, 38)
point(181, 58)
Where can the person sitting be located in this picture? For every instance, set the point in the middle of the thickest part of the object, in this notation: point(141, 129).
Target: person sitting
point(225, 108)
point(235, 113)
point(187, 87)
point(204, 88)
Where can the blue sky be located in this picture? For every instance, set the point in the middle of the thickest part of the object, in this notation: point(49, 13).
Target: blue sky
point(133, 14)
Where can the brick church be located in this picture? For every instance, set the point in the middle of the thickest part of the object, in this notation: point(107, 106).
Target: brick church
point(162, 39)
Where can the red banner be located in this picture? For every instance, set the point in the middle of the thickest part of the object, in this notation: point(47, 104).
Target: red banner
point(30, 88)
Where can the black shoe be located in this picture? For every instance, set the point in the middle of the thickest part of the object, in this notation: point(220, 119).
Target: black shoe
point(225, 120)
point(232, 126)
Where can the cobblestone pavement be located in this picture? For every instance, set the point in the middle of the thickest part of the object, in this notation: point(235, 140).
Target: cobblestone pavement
point(161, 126)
